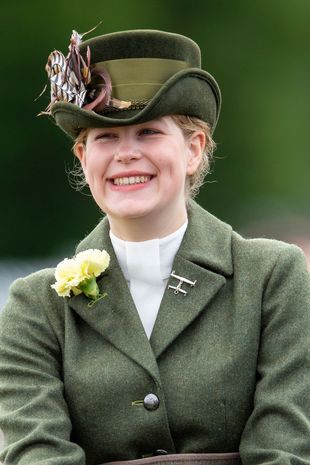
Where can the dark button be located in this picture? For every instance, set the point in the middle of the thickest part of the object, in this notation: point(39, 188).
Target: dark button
point(151, 402)
point(160, 452)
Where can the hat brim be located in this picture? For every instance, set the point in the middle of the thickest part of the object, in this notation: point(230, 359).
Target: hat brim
point(192, 92)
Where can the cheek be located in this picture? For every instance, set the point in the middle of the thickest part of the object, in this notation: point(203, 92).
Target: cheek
point(95, 168)
point(175, 163)
point(180, 166)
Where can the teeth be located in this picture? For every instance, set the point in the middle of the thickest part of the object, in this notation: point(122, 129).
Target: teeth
point(131, 180)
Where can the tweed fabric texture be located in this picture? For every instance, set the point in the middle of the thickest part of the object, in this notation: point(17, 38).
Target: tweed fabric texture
point(229, 363)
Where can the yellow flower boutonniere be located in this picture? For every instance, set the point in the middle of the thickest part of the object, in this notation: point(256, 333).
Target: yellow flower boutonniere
point(78, 274)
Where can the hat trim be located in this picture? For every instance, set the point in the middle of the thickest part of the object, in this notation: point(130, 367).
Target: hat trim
point(138, 78)
point(135, 105)
point(142, 69)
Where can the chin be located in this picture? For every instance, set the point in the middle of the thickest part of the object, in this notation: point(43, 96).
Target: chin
point(132, 209)
point(129, 213)
point(134, 214)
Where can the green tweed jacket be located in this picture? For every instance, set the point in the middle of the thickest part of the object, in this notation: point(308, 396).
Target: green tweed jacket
point(228, 364)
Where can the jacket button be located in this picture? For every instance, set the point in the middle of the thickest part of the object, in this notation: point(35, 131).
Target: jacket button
point(160, 452)
point(151, 402)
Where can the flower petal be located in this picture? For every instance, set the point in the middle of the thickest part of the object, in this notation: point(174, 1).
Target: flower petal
point(67, 269)
point(93, 261)
point(61, 289)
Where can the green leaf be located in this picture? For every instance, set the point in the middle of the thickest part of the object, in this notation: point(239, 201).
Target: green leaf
point(90, 288)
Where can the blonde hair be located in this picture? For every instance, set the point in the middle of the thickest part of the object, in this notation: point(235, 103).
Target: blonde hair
point(188, 125)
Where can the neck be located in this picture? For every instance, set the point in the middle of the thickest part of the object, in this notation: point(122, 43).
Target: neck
point(145, 228)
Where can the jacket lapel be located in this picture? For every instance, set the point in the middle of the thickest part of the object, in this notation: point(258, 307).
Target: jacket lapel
point(115, 316)
point(204, 257)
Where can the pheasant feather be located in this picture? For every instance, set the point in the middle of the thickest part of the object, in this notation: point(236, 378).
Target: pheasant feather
point(73, 79)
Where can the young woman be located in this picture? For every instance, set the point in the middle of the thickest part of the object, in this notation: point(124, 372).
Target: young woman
point(168, 337)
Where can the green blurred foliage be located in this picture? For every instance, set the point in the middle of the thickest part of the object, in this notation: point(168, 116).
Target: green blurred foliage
point(258, 52)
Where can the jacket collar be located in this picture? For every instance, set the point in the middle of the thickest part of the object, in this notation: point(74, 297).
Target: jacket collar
point(207, 241)
point(204, 257)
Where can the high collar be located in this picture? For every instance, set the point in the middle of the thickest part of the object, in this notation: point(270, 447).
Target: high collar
point(148, 261)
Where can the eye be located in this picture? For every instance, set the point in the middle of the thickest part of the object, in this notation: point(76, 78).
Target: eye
point(106, 136)
point(148, 132)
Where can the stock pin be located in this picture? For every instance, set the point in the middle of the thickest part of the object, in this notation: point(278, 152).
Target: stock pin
point(178, 289)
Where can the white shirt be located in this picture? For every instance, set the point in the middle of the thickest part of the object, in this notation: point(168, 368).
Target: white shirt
point(147, 266)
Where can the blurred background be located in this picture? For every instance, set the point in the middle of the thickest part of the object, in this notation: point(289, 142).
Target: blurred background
point(258, 52)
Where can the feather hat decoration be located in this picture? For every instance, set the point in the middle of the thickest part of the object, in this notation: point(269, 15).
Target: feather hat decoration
point(74, 80)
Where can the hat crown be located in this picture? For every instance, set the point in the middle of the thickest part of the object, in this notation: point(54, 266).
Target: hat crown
point(143, 43)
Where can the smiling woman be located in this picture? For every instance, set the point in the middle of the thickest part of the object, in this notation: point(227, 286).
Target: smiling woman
point(188, 125)
point(111, 363)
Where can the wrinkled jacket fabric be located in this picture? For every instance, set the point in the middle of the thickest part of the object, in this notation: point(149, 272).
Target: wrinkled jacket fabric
point(229, 362)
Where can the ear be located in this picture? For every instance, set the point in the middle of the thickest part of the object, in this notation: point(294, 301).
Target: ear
point(196, 146)
point(80, 153)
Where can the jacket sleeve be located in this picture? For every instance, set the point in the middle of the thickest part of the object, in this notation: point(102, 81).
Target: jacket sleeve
point(34, 416)
point(278, 430)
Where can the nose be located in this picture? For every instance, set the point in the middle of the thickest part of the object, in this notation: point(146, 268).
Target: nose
point(127, 153)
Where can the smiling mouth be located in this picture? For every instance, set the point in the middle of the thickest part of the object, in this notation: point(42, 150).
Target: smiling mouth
point(126, 181)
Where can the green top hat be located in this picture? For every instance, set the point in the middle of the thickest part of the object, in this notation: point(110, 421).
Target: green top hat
point(152, 74)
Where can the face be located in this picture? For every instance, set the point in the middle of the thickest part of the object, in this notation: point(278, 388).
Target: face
point(139, 171)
